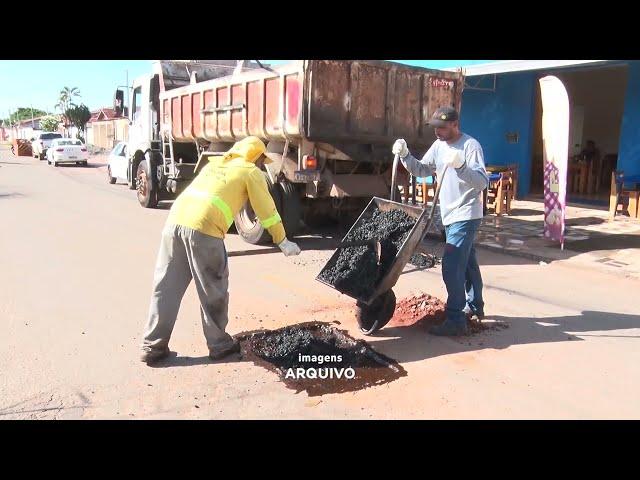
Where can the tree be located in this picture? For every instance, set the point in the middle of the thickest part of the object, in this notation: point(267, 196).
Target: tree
point(50, 123)
point(65, 100)
point(78, 117)
point(23, 113)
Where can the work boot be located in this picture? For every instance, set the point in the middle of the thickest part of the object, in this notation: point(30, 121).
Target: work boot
point(152, 356)
point(449, 329)
point(223, 352)
point(473, 315)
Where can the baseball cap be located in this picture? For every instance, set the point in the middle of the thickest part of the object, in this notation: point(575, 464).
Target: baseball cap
point(443, 115)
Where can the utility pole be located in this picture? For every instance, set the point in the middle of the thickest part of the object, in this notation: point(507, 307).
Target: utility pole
point(14, 132)
point(127, 84)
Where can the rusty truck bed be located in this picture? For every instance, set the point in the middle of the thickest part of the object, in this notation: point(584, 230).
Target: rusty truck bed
point(353, 101)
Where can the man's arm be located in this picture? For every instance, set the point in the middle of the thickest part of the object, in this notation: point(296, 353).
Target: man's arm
point(421, 168)
point(473, 170)
point(263, 205)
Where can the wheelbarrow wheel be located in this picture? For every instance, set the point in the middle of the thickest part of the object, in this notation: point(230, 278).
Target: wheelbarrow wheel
point(375, 316)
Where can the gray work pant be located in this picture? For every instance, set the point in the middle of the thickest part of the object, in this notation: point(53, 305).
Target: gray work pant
point(185, 254)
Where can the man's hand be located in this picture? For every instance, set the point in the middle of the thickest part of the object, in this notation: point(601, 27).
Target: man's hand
point(454, 159)
point(289, 248)
point(400, 148)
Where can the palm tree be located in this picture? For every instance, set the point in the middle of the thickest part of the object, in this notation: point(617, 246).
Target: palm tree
point(66, 99)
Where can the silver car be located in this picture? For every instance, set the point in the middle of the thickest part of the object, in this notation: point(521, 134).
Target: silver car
point(42, 142)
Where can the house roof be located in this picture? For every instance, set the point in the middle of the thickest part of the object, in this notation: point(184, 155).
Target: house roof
point(103, 114)
point(27, 121)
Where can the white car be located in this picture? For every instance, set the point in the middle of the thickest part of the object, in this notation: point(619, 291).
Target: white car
point(67, 150)
point(118, 163)
point(40, 145)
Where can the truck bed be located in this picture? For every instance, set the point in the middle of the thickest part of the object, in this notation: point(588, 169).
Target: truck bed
point(332, 101)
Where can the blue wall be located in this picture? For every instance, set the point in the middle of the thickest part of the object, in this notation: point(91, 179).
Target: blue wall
point(629, 151)
point(488, 116)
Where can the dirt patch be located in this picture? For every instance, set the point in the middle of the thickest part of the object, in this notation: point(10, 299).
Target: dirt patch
point(318, 358)
point(356, 270)
point(424, 311)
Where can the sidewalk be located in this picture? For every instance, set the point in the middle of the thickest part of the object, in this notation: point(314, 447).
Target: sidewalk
point(590, 239)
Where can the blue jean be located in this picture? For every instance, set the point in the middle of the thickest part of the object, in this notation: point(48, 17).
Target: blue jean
point(460, 270)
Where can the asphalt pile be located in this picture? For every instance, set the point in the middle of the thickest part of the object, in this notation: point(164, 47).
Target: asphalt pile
point(284, 347)
point(356, 270)
point(318, 349)
point(424, 261)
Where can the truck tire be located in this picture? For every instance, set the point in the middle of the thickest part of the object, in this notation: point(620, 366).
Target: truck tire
point(288, 205)
point(290, 208)
point(147, 192)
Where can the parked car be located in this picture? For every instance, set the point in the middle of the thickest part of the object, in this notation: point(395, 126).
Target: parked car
point(67, 150)
point(42, 142)
point(118, 164)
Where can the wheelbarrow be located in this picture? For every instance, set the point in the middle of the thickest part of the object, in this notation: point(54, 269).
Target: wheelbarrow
point(375, 311)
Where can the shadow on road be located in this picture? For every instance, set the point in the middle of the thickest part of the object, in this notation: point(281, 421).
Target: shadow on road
point(174, 360)
point(408, 343)
point(11, 194)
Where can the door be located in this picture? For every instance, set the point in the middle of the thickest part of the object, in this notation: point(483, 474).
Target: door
point(118, 162)
point(140, 130)
point(576, 128)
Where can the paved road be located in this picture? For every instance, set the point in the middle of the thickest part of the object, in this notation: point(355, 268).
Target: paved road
point(76, 259)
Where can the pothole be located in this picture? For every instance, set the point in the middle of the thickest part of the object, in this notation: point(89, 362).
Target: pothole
point(319, 359)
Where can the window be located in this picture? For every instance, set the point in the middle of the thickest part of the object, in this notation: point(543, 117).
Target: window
point(49, 136)
point(118, 150)
point(137, 104)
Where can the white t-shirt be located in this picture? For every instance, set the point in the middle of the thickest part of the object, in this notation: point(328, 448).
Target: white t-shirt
point(461, 191)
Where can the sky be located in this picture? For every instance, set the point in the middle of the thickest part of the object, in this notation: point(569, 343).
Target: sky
point(37, 83)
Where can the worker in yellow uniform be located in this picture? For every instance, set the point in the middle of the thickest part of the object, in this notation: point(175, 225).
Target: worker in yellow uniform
point(192, 246)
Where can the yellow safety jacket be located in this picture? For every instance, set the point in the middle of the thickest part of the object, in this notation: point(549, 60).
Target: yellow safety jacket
point(221, 189)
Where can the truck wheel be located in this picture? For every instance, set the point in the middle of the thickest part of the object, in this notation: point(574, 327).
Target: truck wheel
point(375, 316)
point(147, 194)
point(250, 229)
point(290, 208)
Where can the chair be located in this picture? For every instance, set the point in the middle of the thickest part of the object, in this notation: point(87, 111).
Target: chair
point(500, 194)
point(424, 185)
point(513, 168)
point(619, 194)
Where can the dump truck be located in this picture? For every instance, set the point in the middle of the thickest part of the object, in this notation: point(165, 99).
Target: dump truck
point(328, 126)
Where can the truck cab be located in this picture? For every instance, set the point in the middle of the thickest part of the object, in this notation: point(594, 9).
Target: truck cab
point(158, 165)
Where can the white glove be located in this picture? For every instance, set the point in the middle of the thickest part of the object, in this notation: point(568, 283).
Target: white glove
point(400, 148)
point(454, 159)
point(289, 248)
